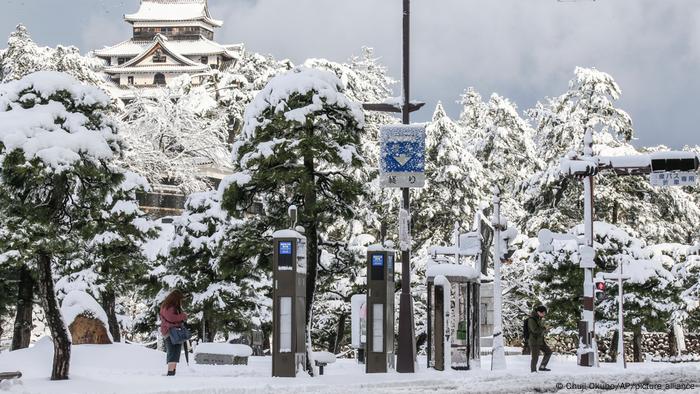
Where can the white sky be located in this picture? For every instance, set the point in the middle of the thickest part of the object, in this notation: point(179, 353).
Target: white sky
point(522, 49)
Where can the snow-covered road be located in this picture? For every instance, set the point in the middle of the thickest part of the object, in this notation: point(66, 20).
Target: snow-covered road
point(130, 369)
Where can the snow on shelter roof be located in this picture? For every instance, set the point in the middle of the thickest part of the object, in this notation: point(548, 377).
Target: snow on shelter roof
point(451, 271)
point(287, 234)
point(173, 10)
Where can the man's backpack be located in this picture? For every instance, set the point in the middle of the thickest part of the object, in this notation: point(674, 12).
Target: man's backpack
point(526, 329)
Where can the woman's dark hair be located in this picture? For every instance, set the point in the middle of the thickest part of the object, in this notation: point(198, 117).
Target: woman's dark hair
point(173, 300)
point(541, 308)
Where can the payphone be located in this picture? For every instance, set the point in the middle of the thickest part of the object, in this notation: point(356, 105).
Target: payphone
point(379, 350)
point(289, 303)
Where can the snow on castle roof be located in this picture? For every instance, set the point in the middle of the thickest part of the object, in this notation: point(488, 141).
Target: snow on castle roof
point(173, 10)
point(202, 46)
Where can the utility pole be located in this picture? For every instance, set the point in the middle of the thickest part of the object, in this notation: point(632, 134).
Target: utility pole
point(498, 356)
point(406, 352)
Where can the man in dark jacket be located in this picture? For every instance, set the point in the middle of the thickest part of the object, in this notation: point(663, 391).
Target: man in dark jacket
point(535, 325)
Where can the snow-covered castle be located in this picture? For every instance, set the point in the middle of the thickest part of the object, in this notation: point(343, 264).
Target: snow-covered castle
point(170, 38)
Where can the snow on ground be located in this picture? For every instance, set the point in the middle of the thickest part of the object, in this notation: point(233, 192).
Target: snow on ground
point(122, 368)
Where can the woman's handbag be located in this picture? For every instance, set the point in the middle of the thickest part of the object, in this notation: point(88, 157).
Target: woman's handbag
point(179, 335)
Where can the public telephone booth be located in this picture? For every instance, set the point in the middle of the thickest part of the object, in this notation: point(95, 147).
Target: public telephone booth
point(379, 351)
point(453, 299)
point(289, 303)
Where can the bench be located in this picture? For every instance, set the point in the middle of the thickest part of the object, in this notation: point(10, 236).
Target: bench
point(222, 353)
point(10, 375)
point(322, 359)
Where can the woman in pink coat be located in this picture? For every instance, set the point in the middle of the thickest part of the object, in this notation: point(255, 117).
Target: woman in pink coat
point(171, 315)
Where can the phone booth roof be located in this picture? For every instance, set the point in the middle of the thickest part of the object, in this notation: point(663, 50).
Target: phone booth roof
point(455, 273)
point(287, 234)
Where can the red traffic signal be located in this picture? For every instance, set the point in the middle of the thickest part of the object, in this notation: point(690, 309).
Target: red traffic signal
point(599, 290)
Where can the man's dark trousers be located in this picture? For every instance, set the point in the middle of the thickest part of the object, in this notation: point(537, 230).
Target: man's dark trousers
point(535, 352)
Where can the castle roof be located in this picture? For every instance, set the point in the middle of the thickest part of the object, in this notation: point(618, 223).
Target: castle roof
point(135, 64)
point(173, 11)
point(202, 46)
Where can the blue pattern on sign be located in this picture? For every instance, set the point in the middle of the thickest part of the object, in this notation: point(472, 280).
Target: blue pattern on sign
point(404, 156)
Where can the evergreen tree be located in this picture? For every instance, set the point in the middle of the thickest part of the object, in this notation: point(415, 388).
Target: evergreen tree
point(554, 201)
point(225, 290)
point(300, 145)
point(455, 185)
point(23, 57)
point(55, 145)
point(506, 149)
point(114, 262)
point(473, 115)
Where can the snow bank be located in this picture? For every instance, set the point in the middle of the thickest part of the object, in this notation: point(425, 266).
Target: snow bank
point(90, 360)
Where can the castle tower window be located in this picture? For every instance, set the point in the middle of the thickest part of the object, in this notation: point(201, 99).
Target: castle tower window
point(130, 80)
point(121, 60)
point(204, 59)
point(159, 79)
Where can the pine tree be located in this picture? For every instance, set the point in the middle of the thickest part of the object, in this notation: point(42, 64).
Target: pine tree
point(55, 144)
point(554, 201)
point(225, 290)
point(113, 263)
point(300, 145)
point(23, 57)
point(455, 186)
point(473, 115)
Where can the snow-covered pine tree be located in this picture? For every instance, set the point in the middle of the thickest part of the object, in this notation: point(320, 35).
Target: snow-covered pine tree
point(653, 299)
point(506, 150)
point(55, 145)
point(224, 289)
point(18, 280)
point(300, 145)
point(473, 115)
point(456, 183)
point(365, 80)
point(114, 263)
point(553, 201)
point(23, 57)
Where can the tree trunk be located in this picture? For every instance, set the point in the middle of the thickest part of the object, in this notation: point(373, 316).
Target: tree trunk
point(23, 319)
point(615, 211)
point(672, 346)
point(109, 304)
point(61, 341)
point(311, 231)
point(613, 346)
point(339, 334)
point(420, 340)
point(209, 328)
point(637, 345)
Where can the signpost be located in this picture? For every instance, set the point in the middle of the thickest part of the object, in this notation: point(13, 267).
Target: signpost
point(619, 278)
point(406, 351)
point(402, 156)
